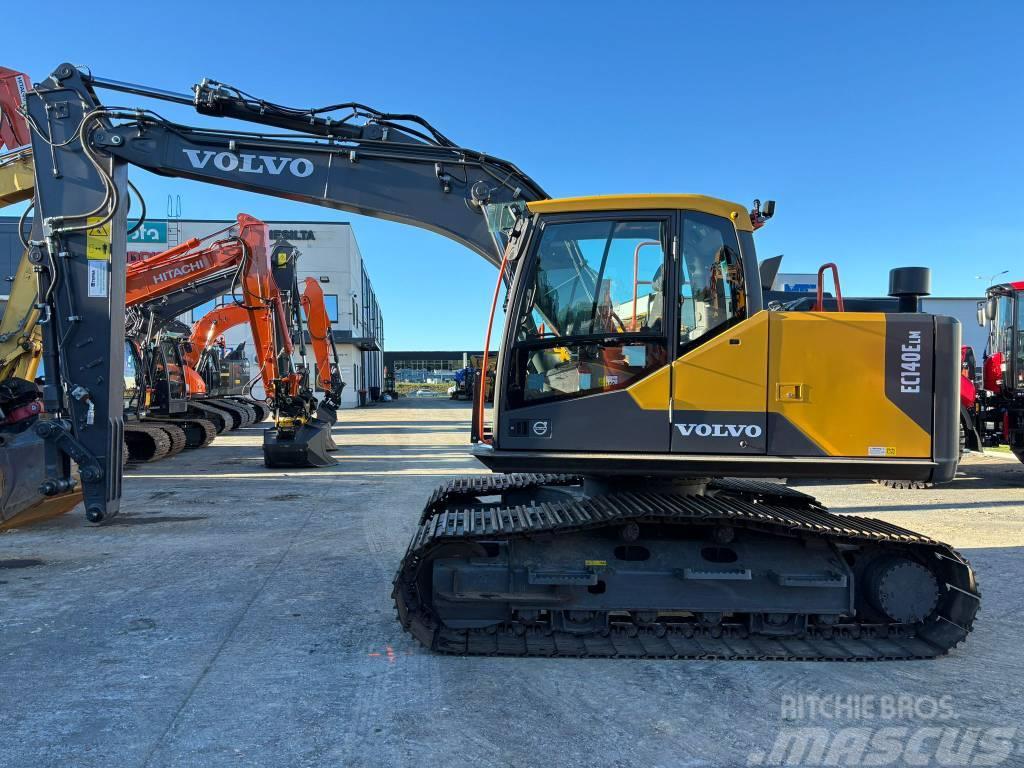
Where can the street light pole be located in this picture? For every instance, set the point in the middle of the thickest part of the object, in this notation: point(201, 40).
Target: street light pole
point(992, 279)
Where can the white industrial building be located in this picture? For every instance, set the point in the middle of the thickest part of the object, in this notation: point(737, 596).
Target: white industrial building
point(328, 252)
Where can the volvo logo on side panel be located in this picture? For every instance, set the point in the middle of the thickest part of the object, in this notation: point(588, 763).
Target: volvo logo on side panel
point(541, 428)
point(720, 430)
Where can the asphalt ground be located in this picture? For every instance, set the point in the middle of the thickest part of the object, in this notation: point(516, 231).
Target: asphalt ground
point(237, 616)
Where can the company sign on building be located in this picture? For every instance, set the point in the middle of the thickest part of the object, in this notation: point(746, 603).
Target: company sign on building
point(149, 232)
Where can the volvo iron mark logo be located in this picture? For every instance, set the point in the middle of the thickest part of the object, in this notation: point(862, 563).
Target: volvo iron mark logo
point(541, 428)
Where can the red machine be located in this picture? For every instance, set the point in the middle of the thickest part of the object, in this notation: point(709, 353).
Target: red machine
point(14, 131)
point(994, 413)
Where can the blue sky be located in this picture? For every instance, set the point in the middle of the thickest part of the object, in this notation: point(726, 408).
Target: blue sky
point(889, 133)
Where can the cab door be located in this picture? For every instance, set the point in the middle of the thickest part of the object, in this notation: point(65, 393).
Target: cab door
point(588, 361)
point(720, 370)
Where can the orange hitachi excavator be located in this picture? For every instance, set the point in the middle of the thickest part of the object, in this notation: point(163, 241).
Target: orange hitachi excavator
point(164, 380)
point(318, 325)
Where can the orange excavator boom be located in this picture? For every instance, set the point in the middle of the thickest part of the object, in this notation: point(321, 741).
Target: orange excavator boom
point(321, 336)
point(247, 251)
point(215, 322)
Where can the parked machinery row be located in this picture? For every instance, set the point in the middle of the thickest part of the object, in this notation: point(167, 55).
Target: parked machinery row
point(637, 378)
point(168, 405)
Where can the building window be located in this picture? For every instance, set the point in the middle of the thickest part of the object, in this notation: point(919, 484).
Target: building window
point(331, 302)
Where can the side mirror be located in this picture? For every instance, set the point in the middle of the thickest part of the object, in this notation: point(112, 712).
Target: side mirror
point(990, 309)
point(982, 315)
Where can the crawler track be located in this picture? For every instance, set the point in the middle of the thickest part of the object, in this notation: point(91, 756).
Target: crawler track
point(199, 433)
point(241, 415)
point(461, 521)
point(260, 410)
point(177, 437)
point(146, 442)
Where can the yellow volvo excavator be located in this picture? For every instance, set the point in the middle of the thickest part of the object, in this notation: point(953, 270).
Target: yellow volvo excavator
point(642, 394)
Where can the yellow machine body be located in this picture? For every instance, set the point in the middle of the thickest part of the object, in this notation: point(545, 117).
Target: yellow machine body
point(794, 368)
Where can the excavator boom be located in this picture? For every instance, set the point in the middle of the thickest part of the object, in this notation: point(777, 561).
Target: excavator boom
point(321, 335)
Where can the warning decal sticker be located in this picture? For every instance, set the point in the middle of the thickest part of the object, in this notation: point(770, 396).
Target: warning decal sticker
point(97, 240)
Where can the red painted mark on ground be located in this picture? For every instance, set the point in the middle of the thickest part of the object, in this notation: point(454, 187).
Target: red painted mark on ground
point(389, 653)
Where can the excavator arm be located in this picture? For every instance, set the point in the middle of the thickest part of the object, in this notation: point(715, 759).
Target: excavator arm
point(214, 323)
point(395, 167)
point(222, 319)
point(321, 336)
point(20, 339)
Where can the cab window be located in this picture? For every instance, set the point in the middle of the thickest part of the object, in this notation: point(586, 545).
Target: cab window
point(1019, 349)
point(712, 292)
point(592, 318)
point(131, 386)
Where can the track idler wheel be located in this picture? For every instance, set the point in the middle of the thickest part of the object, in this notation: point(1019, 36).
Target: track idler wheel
point(199, 433)
point(239, 414)
point(306, 446)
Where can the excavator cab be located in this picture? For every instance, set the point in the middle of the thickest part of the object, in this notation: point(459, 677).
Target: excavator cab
point(636, 345)
point(1004, 363)
point(1002, 401)
point(136, 395)
point(168, 374)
